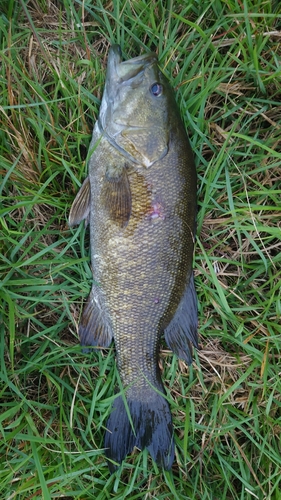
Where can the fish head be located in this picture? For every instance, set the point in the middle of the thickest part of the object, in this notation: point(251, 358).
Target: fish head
point(134, 108)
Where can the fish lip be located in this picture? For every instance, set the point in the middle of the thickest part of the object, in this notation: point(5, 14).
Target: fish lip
point(119, 71)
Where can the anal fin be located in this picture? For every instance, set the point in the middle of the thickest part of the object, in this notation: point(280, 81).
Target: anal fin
point(94, 328)
point(80, 208)
point(182, 330)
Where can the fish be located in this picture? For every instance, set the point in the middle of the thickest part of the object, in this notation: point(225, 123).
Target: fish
point(140, 202)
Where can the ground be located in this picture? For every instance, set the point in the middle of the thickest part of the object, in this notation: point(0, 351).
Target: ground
point(223, 61)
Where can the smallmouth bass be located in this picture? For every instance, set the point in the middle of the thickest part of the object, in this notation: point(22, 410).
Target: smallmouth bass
point(140, 201)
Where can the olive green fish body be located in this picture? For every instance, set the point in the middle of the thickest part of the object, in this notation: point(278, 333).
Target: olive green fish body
point(140, 199)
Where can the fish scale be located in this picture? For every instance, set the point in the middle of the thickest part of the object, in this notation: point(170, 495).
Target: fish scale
point(140, 200)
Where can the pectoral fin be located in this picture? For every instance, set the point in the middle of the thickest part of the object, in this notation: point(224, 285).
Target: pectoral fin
point(94, 327)
point(182, 331)
point(80, 208)
point(117, 196)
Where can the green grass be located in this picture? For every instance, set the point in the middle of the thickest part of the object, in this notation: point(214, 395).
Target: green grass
point(223, 59)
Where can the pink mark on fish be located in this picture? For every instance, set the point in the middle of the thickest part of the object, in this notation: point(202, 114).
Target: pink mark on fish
point(156, 211)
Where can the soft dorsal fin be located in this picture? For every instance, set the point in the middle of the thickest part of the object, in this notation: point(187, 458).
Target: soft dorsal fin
point(182, 330)
point(80, 208)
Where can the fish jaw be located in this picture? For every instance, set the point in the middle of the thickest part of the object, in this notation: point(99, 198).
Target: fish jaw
point(121, 73)
point(124, 72)
point(129, 105)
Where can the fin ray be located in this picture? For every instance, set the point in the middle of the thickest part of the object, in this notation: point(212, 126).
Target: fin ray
point(152, 428)
point(117, 196)
point(182, 330)
point(80, 207)
point(94, 328)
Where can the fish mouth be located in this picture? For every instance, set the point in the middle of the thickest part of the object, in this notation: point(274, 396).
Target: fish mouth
point(124, 72)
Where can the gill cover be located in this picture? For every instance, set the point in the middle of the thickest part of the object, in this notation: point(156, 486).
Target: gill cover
point(132, 117)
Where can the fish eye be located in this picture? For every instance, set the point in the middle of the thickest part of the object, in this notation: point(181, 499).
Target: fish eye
point(156, 89)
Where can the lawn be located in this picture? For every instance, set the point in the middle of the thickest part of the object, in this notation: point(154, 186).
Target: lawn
point(223, 59)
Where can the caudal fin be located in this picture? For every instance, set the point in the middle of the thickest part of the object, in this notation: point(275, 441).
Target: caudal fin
point(152, 428)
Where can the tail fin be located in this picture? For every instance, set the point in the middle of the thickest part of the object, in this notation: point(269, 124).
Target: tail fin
point(152, 428)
